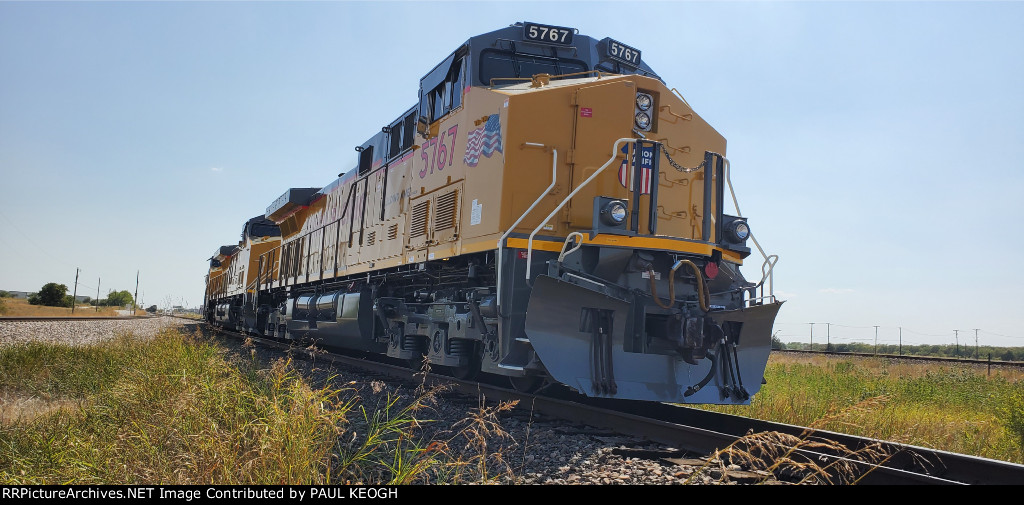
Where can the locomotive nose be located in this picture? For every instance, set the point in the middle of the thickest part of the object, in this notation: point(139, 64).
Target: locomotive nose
point(564, 324)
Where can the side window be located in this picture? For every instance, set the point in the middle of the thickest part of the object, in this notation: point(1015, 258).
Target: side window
point(446, 96)
point(395, 145)
point(409, 126)
point(365, 160)
point(458, 80)
point(441, 100)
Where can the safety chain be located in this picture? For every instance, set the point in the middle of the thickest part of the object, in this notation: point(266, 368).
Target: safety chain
point(680, 167)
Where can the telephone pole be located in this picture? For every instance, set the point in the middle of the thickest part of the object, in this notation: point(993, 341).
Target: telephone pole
point(901, 341)
point(956, 335)
point(75, 292)
point(876, 339)
point(828, 337)
point(812, 335)
point(134, 300)
point(975, 343)
point(98, 279)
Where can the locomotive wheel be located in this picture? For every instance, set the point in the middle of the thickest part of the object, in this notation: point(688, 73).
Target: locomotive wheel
point(470, 371)
point(416, 362)
point(526, 384)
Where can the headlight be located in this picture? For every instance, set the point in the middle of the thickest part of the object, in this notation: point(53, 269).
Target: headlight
point(644, 101)
point(739, 231)
point(614, 213)
point(643, 121)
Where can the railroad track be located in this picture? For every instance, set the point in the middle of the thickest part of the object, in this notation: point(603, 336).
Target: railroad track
point(84, 318)
point(702, 432)
point(936, 359)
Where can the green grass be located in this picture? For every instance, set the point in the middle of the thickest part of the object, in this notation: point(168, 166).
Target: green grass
point(179, 409)
point(950, 407)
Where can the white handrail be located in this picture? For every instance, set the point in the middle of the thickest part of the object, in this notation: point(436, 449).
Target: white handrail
point(501, 241)
point(769, 259)
point(529, 245)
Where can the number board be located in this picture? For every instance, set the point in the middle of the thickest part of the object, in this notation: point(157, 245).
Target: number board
point(548, 34)
point(621, 52)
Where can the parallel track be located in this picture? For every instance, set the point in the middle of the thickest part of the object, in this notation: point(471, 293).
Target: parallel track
point(62, 318)
point(703, 432)
point(936, 359)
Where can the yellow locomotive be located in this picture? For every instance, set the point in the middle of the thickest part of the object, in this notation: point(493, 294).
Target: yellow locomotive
point(549, 211)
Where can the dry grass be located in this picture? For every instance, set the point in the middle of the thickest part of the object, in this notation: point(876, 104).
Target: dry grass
point(953, 407)
point(17, 307)
point(783, 456)
point(180, 409)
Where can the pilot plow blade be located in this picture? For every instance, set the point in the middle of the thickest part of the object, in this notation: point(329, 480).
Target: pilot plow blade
point(580, 335)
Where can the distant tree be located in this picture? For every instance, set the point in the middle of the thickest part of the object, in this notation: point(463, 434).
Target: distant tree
point(1008, 356)
point(151, 309)
point(51, 294)
point(69, 301)
point(5, 294)
point(119, 298)
point(86, 300)
point(777, 344)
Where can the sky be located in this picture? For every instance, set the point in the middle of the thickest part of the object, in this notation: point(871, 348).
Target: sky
point(876, 147)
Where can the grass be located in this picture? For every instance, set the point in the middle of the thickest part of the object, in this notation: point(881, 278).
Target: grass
point(181, 409)
point(17, 307)
point(955, 407)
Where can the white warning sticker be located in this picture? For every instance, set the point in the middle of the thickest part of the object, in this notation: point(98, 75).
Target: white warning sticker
point(476, 213)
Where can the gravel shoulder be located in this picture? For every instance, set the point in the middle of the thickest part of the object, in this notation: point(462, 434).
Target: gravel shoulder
point(72, 332)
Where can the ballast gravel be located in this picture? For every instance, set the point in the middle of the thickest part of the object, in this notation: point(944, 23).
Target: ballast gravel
point(72, 332)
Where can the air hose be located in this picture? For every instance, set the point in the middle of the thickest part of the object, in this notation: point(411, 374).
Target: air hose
point(703, 296)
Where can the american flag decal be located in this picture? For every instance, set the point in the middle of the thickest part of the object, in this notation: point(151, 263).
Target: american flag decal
point(483, 140)
point(626, 172)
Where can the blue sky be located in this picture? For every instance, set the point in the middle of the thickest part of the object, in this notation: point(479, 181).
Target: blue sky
point(876, 146)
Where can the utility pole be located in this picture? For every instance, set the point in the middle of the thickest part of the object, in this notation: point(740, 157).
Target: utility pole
point(876, 339)
point(812, 335)
point(75, 292)
point(134, 300)
point(956, 335)
point(828, 337)
point(976, 343)
point(901, 341)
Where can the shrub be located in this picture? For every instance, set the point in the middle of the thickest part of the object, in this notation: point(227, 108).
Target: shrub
point(51, 294)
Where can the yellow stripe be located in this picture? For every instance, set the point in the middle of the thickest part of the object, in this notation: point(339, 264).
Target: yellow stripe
point(634, 243)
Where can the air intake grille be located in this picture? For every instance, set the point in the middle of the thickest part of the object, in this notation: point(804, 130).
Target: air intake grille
point(446, 210)
point(393, 232)
point(371, 238)
point(418, 225)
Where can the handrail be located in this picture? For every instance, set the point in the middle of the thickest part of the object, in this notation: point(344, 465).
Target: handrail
point(599, 73)
point(501, 241)
point(529, 245)
point(769, 260)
